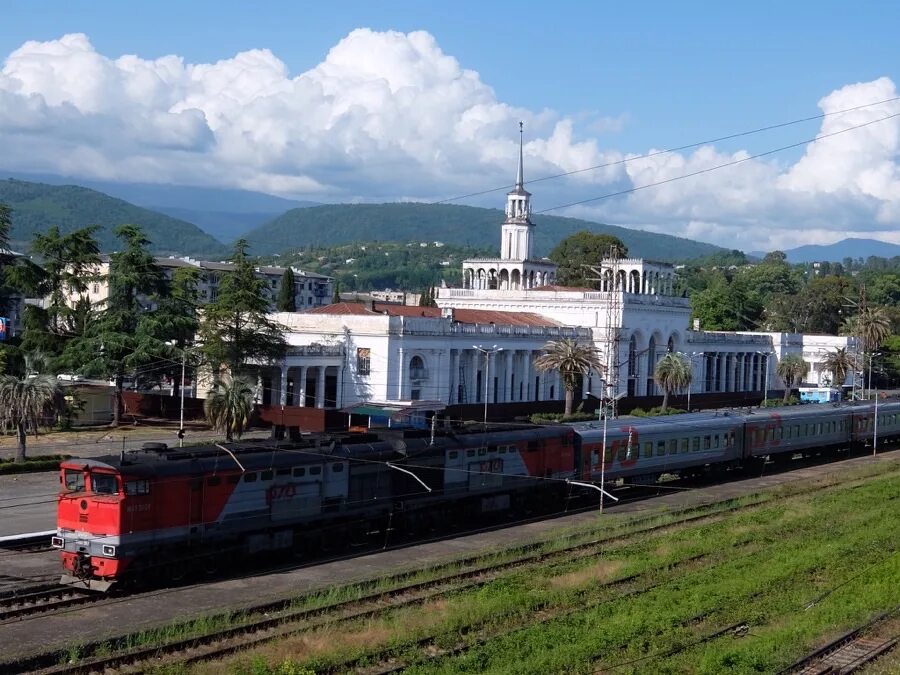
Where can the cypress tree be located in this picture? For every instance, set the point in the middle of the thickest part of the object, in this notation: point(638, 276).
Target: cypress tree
point(286, 301)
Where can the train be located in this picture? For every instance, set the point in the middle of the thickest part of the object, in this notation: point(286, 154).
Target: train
point(159, 513)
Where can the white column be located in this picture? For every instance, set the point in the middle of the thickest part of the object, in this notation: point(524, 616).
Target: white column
point(320, 388)
point(282, 393)
point(401, 373)
point(507, 393)
point(300, 388)
point(526, 375)
point(339, 394)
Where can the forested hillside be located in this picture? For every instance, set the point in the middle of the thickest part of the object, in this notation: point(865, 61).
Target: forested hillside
point(37, 206)
point(332, 224)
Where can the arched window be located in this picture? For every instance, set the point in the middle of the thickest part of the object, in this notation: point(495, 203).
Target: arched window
point(417, 368)
point(670, 345)
point(651, 366)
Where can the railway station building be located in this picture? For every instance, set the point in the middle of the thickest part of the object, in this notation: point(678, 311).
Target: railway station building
point(480, 343)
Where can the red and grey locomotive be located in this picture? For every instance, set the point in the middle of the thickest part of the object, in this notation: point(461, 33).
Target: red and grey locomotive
point(160, 513)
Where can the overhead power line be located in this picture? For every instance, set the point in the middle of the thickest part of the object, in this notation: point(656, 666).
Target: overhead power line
point(718, 166)
point(679, 148)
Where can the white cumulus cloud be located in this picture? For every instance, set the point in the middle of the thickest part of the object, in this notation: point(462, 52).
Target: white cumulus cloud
point(389, 115)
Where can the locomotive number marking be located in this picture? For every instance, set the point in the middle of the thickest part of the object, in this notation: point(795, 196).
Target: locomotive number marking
point(137, 508)
point(280, 493)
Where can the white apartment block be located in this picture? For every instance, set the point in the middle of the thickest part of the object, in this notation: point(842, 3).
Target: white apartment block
point(310, 289)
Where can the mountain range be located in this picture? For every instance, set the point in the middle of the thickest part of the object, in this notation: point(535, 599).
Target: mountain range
point(846, 248)
point(449, 223)
point(38, 206)
point(199, 221)
point(225, 213)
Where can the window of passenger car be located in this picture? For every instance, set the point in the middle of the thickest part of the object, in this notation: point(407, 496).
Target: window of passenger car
point(315, 470)
point(648, 448)
point(299, 471)
point(250, 477)
point(695, 445)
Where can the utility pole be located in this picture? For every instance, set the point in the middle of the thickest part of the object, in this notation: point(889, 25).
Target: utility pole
point(487, 351)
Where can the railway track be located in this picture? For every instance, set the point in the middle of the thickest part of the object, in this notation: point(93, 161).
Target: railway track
point(268, 621)
point(42, 598)
point(261, 623)
point(851, 651)
point(275, 619)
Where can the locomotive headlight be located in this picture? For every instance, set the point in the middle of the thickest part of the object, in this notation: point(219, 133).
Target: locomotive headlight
point(57, 542)
point(109, 551)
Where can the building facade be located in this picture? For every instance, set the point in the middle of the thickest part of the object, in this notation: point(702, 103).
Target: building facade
point(310, 289)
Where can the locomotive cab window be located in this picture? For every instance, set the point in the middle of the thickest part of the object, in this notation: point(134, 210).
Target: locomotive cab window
point(266, 475)
point(299, 471)
point(104, 484)
point(250, 477)
point(74, 480)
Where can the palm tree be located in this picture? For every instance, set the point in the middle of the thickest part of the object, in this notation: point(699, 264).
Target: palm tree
point(840, 363)
point(25, 403)
point(792, 369)
point(874, 327)
point(228, 406)
point(673, 372)
point(573, 360)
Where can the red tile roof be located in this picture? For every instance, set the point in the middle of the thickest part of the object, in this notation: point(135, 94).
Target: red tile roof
point(472, 316)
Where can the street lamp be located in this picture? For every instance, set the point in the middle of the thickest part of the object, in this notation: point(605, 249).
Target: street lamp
point(869, 387)
point(487, 351)
point(691, 383)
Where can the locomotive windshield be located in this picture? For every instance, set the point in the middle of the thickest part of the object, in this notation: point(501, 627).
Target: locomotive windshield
point(74, 480)
point(104, 484)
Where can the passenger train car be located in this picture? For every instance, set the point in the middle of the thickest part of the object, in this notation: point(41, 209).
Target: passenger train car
point(160, 513)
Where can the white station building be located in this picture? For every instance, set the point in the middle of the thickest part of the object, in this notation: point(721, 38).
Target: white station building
point(481, 341)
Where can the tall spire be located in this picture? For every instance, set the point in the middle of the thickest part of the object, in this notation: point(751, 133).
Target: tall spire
point(520, 174)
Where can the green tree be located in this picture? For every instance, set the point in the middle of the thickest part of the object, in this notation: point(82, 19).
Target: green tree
point(235, 331)
point(573, 360)
point(25, 403)
point(69, 263)
point(287, 301)
point(336, 296)
point(575, 252)
point(721, 306)
point(792, 369)
point(229, 405)
point(874, 327)
point(174, 323)
point(673, 373)
point(840, 363)
point(119, 341)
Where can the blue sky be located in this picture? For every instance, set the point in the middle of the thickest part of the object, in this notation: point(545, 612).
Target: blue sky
point(629, 77)
point(679, 72)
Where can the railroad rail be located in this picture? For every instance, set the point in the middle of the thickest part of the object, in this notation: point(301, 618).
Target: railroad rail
point(42, 598)
point(272, 620)
point(849, 652)
point(276, 619)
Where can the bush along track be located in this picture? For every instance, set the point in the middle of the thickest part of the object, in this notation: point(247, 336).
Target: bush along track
point(449, 617)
